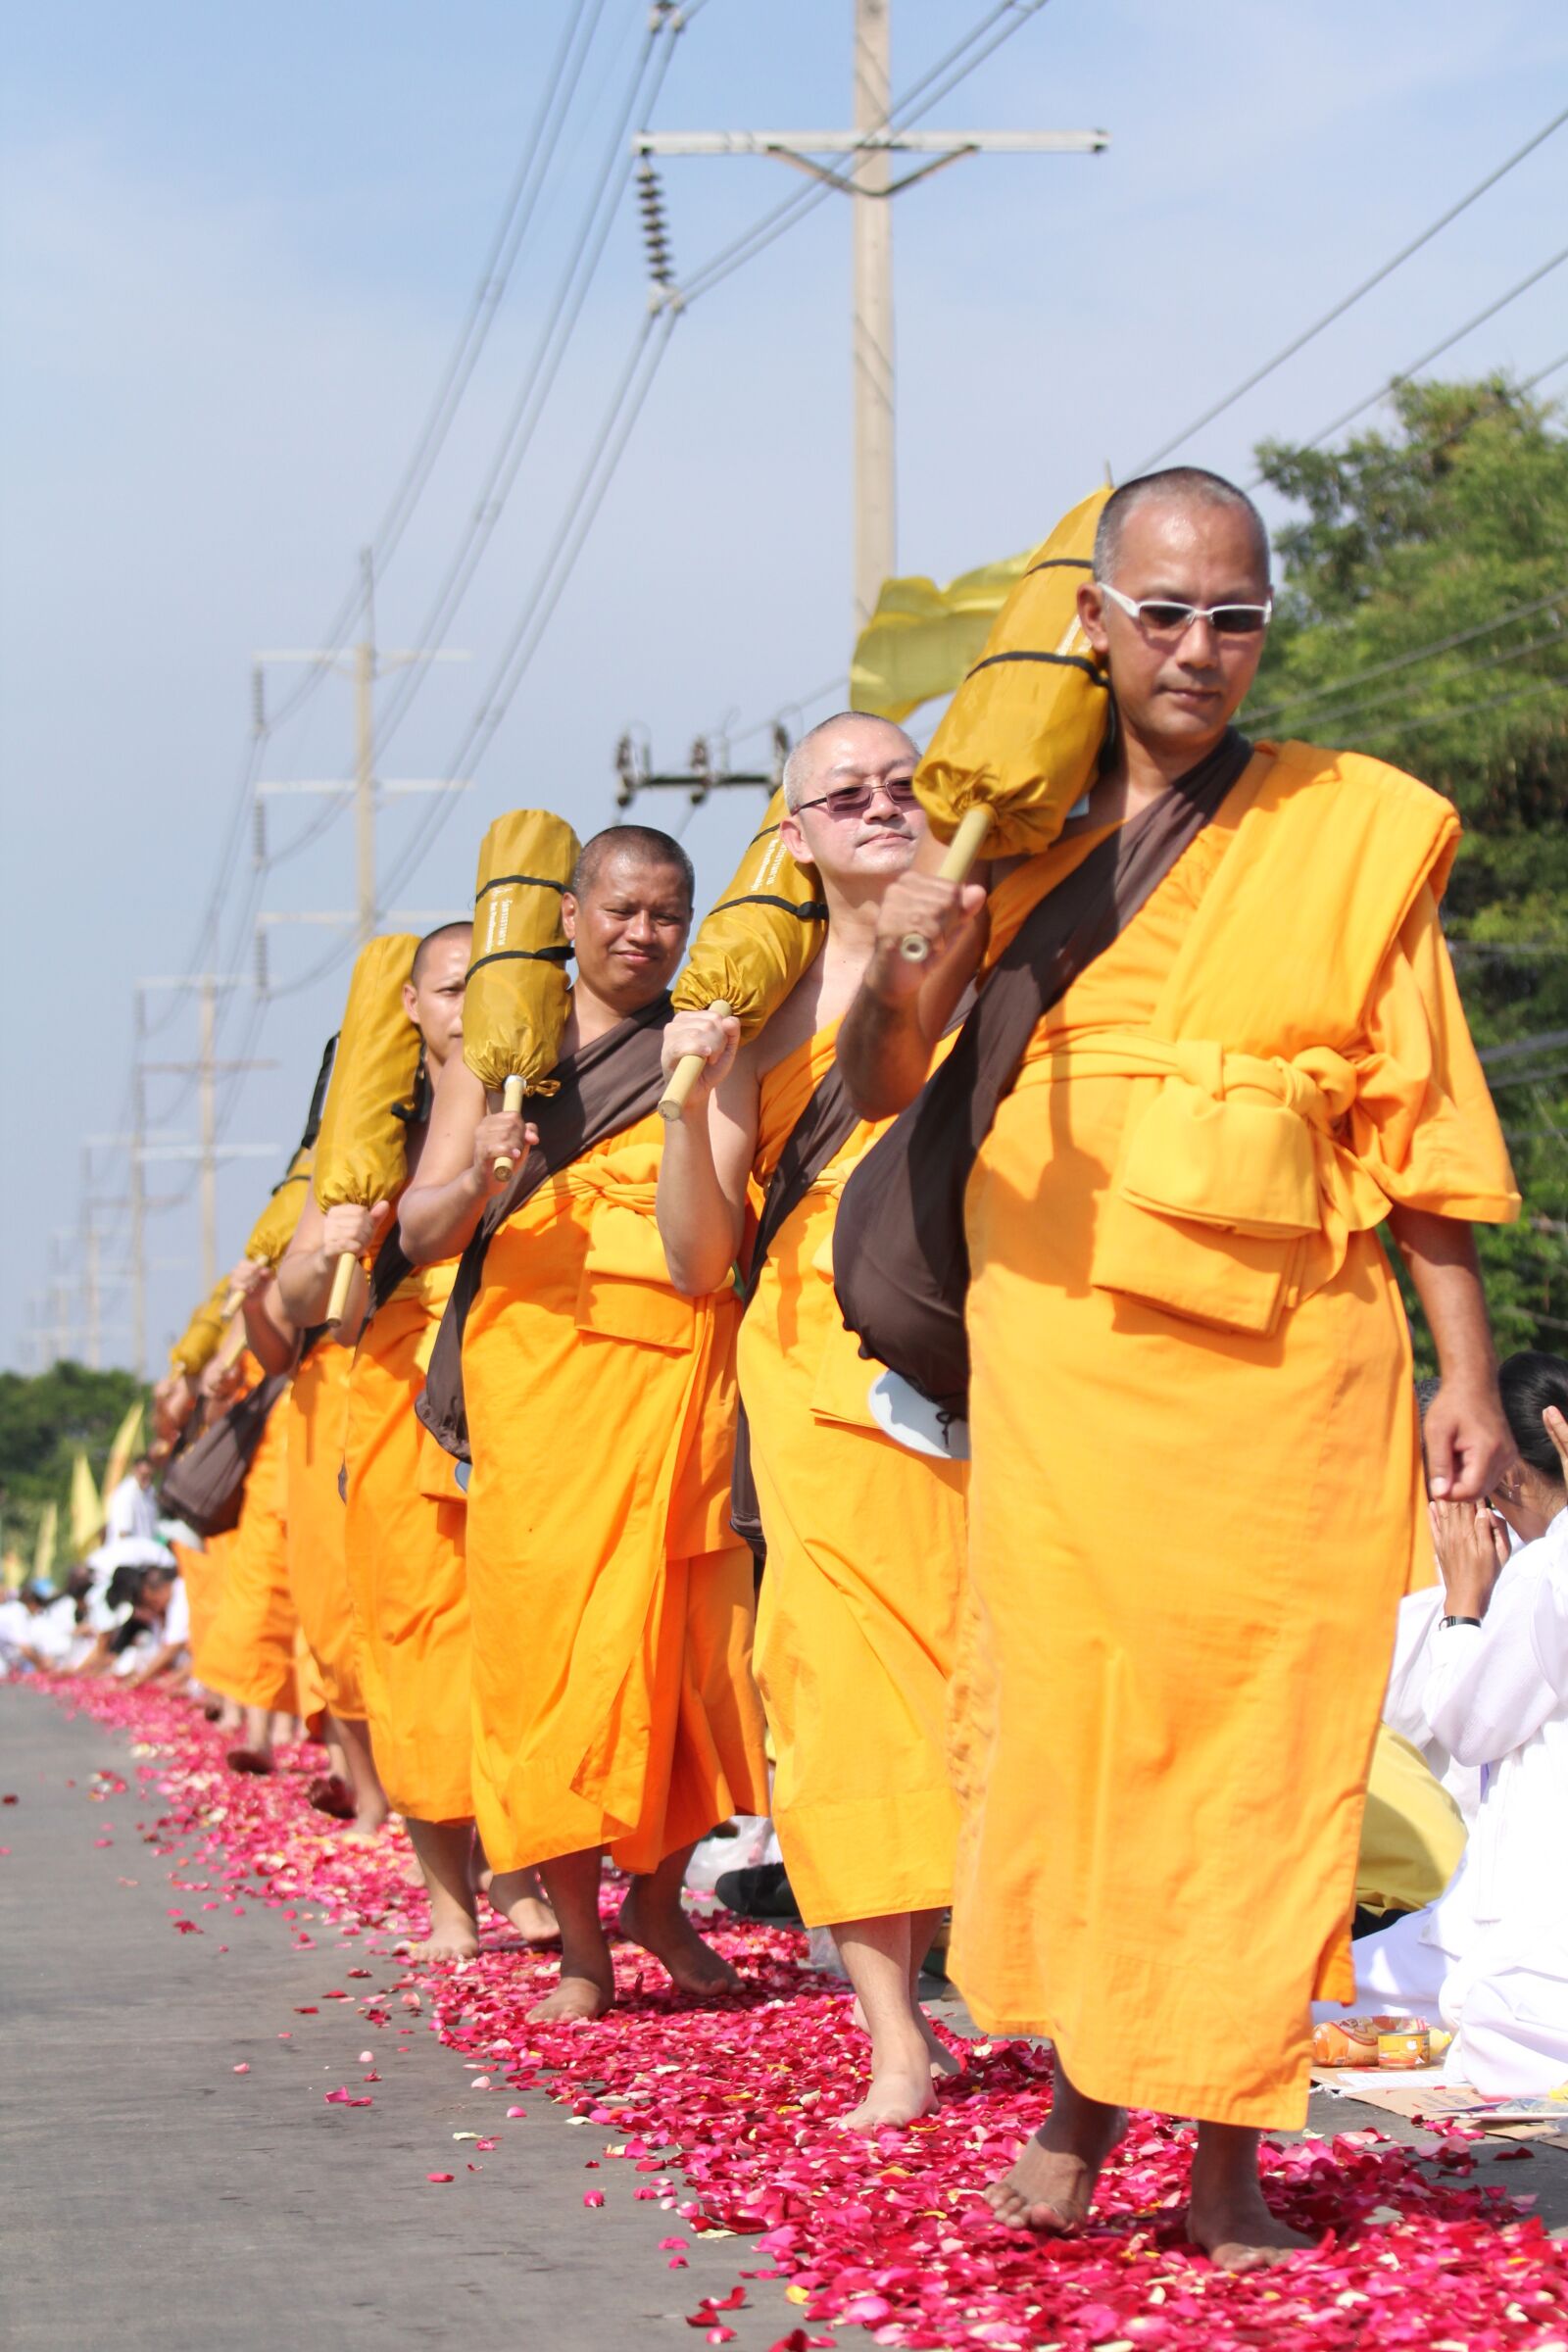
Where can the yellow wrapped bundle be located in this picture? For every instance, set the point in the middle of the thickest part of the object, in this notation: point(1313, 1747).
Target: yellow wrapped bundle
point(1018, 743)
point(360, 1152)
point(273, 1229)
point(764, 935)
point(194, 1351)
point(515, 1002)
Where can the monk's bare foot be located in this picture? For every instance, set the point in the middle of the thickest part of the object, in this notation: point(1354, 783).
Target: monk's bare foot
point(517, 1897)
point(535, 1922)
point(1052, 2186)
point(454, 1939)
point(250, 1759)
point(663, 1929)
point(575, 1996)
point(331, 1795)
point(1228, 2220)
point(944, 2060)
point(900, 2094)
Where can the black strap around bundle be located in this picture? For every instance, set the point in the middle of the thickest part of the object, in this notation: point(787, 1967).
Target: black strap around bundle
point(900, 1260)
point(609, 1084)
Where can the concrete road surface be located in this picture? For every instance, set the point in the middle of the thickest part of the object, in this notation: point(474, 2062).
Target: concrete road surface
point(152, 2198)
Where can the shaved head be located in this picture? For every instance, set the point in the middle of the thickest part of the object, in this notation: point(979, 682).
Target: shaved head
point(422, 954)
point(1179, 486)
point(803, 762)
point(642, 845)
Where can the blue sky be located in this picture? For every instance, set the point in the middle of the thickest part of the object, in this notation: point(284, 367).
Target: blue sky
point(235, 246)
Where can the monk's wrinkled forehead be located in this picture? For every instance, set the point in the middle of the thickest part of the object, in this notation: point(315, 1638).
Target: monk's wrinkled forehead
point(635, 874)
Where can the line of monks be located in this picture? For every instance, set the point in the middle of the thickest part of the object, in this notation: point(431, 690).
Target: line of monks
point(1108, 1687)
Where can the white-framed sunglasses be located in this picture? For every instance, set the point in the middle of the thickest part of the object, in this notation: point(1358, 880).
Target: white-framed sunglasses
point(1162, 616)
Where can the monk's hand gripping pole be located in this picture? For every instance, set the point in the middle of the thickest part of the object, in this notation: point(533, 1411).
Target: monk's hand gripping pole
point(511, 1101)
point(690, 1067)
point(962, 851)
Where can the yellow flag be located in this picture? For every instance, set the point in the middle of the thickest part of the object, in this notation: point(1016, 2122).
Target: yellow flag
point(87, 1511)
point(126, 1445)
point(922, 640)
point(43, 1552)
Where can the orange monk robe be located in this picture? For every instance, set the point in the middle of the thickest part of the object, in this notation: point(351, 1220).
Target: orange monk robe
point(247, 1654)
point(318, 1563)
point(612, 1608)
point(309, 1699)
point(1187, 1546)
point(404, 1540)
point(201, 1570)
point(866, 1556)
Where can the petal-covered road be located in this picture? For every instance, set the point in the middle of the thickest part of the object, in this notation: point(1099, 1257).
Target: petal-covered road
point(594, 2216)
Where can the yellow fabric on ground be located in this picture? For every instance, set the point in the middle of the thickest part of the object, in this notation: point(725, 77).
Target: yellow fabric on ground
point(404, 1539)
point(610, 1608)
point(318, 1563)
point(247, 1654)
point(1186, 1544)
point(1412, 1833)
point(865, 1557)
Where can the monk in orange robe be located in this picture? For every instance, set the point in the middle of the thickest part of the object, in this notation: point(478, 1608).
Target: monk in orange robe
point(247, 1653)
point(201, 1566)
point(614, 1709)
point(1196, 1491)
point(317, 1415)
point(404, 1529)
point(865, 1539)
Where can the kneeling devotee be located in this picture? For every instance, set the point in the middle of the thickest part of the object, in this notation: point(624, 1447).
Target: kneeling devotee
point(613, 1707)
point(1169, 1705)
point(865, 1540)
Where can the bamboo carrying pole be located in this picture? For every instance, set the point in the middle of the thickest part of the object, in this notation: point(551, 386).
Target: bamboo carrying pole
point(337, 1306)
point(956, 867)
point(511, 1101)
point(690, 1067)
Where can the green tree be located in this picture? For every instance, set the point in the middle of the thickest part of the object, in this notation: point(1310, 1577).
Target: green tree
point(1423, 618)
point(42, 1422)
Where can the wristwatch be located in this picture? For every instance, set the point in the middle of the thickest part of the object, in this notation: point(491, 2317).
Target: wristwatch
point(1446, 1621)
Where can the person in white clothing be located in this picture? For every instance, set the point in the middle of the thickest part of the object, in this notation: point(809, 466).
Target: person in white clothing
point(1489, 1958)
point(133, 1508)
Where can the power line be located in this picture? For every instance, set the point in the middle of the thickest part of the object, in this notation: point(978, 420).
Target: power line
point(1466, 669)
point(571, 291)
point(613, 433)
point(1348, 301)
point(1421, 653)
point(1438, 348)
point(1441, 718)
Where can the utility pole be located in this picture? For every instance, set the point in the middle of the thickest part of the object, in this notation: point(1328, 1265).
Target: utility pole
point(365, 665)
point(709, 771)
point(207, 1070)
point(134, 1201)
point(870, 186)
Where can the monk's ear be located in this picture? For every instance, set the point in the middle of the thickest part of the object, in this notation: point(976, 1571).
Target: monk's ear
point(568, 915)
point(1092, 619)
point(410, 1002)
point(792, 839)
